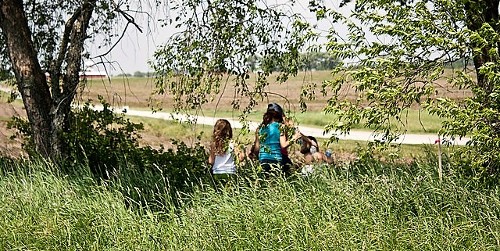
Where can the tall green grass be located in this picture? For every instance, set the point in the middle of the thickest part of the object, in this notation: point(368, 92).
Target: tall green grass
point(364, 205)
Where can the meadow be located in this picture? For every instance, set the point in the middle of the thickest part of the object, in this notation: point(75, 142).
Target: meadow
point(364, 201)
point(366, 205)
point(138, 93)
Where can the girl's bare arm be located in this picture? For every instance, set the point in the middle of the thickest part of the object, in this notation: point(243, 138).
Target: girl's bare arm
point(211, 156)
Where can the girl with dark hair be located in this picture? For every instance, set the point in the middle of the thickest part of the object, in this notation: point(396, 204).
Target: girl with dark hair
point(311, 152)
point(269, 140)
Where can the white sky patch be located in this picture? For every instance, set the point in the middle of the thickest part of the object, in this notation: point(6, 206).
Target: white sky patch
point(136, 49)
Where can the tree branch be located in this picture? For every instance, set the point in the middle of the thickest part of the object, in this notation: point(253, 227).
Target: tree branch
point(55, 68)
point(130, 20)
point(76, 41)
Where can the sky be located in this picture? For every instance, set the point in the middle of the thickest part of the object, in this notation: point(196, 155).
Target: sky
point(136, 48)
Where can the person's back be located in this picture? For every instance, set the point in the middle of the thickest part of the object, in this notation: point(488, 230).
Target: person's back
point(270, 148)
point(268, 137)
point(224, 163)
point(221, 156)
point(270, 140)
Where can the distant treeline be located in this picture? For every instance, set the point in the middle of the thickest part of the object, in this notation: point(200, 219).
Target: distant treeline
point(309, 61)
point(137, 74)
point(306, 62)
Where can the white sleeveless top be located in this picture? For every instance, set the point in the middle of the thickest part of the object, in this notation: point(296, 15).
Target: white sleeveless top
point(224, 163)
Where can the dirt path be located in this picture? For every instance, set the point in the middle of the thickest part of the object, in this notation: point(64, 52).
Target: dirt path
point(12, 147)
point(410, 139)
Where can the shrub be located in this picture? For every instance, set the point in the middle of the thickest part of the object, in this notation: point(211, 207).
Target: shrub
point(107, 144)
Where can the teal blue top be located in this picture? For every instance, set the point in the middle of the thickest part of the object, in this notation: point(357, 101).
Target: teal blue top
point(269, 139)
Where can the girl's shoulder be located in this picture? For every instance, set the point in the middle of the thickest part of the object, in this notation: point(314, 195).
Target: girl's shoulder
point(269, 127)
point(275, 124)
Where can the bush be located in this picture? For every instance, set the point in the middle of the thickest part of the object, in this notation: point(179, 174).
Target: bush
point(101, 138)
point(107, 144)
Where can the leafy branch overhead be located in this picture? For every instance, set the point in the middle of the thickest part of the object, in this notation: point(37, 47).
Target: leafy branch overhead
point(222, 39)
point(51, 37)
point(397, 53)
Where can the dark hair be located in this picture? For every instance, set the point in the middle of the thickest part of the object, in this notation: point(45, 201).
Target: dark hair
point(275, 107)
point(306, 144)
point(315, 141)
point(271, 115)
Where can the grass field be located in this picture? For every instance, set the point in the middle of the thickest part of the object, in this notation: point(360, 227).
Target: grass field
point(136, 93)
point(417, 121)
point(159, 132)
point(364, 206)
point(367, 201)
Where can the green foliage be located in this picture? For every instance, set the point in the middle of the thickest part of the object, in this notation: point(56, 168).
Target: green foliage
point(139, 74)
point(318, 61)
point(103, 138)
point(155, 174)
point(107, 143)
point(5, 75)
point(52, 36)
point(110, 148)
point(47, 21)
point(395, 55)
point(306, 62)
point(366, 204)
point(23, 130)
point(220, 40)
point(124, 75)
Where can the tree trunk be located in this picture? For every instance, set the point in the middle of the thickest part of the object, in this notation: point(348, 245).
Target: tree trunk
point(47, 112)
point(480, 12)
point(76, 28)
point(31, 80)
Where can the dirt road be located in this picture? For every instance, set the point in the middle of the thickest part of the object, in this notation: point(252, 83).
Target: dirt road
point(411, 139)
